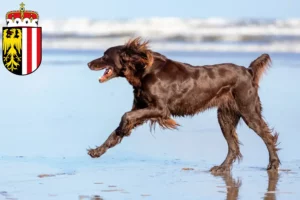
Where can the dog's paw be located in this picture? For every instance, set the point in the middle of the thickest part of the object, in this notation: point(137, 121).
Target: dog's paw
point(220, 169)
point(94, 153)
point(273, 165)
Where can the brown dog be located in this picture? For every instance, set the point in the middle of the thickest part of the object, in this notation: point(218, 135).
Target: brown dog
point(165, 88)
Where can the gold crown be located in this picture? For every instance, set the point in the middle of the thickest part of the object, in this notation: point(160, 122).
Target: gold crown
point(22, 14)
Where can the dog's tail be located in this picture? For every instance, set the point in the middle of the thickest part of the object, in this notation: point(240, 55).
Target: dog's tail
point(259, 66)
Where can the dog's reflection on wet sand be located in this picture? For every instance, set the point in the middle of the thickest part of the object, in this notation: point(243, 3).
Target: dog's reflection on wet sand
point(233, 185)
point(273, 178)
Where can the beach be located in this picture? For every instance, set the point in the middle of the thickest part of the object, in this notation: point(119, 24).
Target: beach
point(49, 118)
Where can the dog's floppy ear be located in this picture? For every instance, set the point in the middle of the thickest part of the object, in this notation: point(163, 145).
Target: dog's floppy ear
point(137, 52)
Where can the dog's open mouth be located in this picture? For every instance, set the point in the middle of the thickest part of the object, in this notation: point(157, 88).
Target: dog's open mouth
point(107, 74)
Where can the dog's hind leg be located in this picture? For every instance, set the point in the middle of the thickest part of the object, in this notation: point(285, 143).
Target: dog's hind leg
point(251, 114)
point(228, 120)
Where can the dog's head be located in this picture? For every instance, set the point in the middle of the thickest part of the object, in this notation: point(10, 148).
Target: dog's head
point(129, 60)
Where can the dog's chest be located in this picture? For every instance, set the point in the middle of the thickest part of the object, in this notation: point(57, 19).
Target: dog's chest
point(142, 99)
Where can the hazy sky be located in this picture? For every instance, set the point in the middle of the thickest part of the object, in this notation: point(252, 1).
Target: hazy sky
point(124, 9)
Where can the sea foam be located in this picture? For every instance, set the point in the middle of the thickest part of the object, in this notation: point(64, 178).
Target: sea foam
point(175, 34)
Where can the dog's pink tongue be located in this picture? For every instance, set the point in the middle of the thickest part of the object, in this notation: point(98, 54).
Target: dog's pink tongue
point(105, 76)
point(102, 79)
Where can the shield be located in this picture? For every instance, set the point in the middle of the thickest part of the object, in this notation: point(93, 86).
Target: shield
point(22, 49)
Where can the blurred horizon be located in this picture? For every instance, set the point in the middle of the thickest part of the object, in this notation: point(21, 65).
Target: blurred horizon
point(175, 34)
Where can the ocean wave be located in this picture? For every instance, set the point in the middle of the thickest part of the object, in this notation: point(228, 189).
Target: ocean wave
point(97, 44)
point(214, 34)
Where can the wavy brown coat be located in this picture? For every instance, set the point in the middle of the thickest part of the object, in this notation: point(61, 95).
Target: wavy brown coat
point(164, 88)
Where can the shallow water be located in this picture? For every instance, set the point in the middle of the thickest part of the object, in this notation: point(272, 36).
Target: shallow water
point(50, 118)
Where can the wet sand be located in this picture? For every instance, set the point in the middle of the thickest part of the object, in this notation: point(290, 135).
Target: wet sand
point(50, 118)
point(131, 178)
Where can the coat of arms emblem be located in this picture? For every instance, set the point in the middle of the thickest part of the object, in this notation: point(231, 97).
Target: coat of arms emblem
point(22, 41)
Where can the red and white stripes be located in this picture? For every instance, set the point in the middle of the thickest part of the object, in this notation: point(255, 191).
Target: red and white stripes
point(31, 49)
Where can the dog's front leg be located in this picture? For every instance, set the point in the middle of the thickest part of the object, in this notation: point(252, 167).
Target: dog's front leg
point(129, 121)
point(111, 141)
